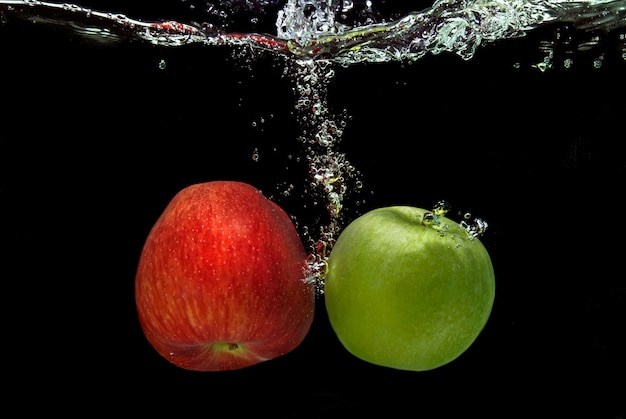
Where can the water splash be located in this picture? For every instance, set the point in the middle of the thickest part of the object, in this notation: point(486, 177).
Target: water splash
point(308, 29)
point(303, 20)
point(313, 36)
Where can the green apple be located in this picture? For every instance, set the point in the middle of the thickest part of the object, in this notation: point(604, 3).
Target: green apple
point(408, 289)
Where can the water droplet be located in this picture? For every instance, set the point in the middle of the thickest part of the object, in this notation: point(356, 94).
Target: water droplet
point(598, 62)
point(567, 63)
point(430, 219)
point(441, 208)
point(475, 228)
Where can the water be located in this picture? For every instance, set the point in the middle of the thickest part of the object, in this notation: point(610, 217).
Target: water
point(311, 39)
point(307, 29)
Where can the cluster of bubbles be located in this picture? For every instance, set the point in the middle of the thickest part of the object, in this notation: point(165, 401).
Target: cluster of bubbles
point(473, 226)
point(331, 175)
point(570, 48)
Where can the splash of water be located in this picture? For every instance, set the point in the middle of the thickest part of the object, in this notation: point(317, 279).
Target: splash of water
point(308, 29)
point(312, 36)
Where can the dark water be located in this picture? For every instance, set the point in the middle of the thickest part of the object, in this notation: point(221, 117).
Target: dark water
point(97, 138)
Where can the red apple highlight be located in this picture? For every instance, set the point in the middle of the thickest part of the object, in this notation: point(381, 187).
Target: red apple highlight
point(221, 282)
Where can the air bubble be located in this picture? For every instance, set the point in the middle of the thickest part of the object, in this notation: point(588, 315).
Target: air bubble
point(288, 190)
point(441, 208)
point(598, 62)
point(430, 219)
point(475, 228)
point(568, 63)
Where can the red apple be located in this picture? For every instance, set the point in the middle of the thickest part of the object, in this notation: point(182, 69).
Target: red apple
point(221, 282)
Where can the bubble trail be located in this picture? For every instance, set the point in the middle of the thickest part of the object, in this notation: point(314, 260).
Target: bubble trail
point(331, 174)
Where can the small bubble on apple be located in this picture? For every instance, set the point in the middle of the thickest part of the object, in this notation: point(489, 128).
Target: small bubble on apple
point(442, 207)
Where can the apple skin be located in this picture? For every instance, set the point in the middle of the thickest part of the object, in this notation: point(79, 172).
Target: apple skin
point(406, 293)
point(221, 280)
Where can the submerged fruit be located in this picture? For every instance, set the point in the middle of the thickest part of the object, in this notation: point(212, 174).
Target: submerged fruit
point(407, 289)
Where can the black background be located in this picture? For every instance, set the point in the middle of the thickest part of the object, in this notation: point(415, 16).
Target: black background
point(96, 139)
